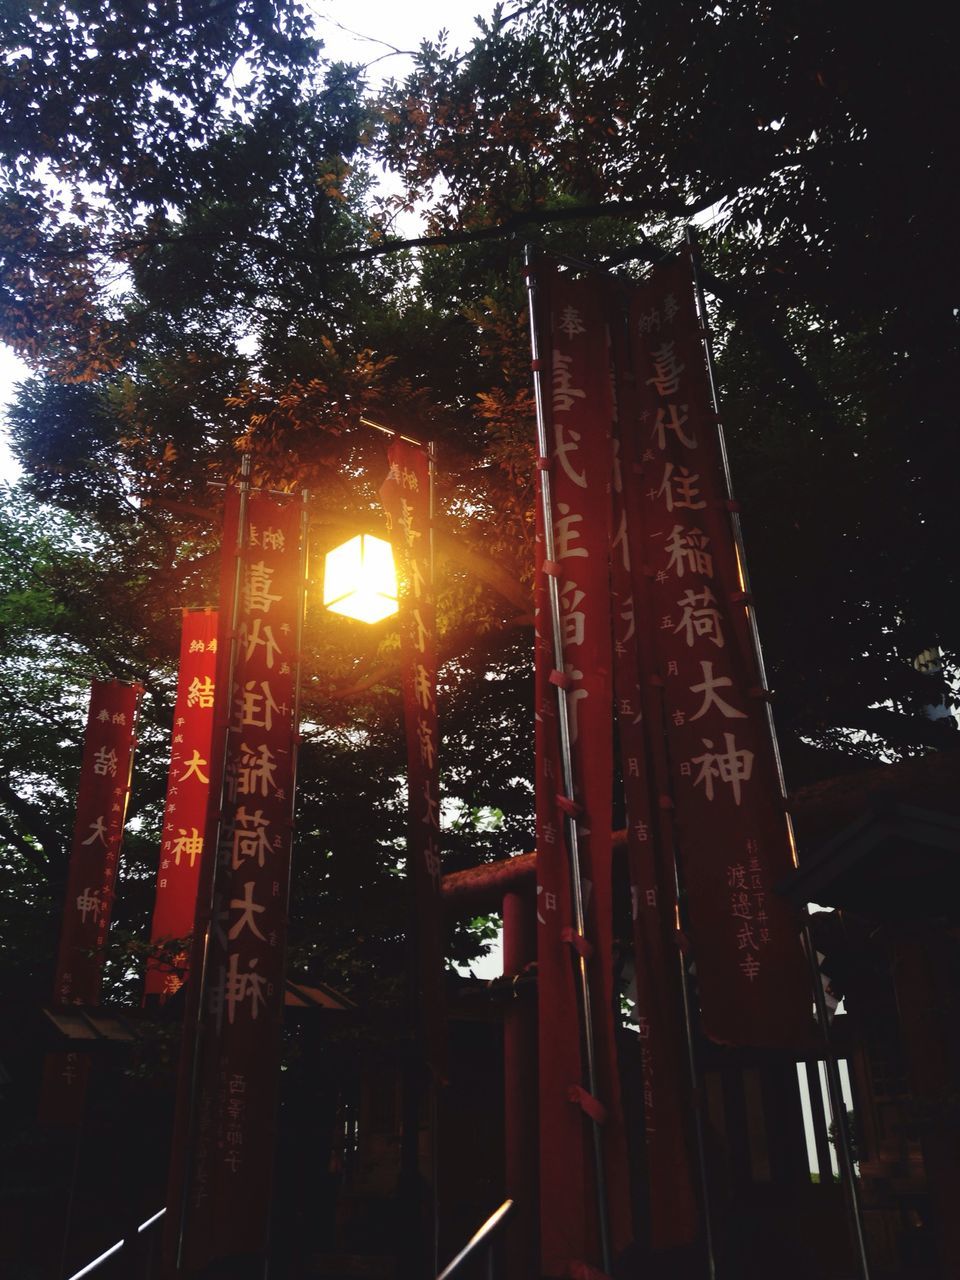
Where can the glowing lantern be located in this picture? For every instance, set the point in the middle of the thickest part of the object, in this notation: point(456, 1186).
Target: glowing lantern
point(360, 580)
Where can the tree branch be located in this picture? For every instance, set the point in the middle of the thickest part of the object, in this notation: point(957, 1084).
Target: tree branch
point(51, 840)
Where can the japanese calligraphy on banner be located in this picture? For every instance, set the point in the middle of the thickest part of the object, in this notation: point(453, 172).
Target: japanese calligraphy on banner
point(729, 821)
point(673, 1212)
point(230, 1161)
point(188, 794)
point(405, 495)
point(101, 811)
point(579, 416)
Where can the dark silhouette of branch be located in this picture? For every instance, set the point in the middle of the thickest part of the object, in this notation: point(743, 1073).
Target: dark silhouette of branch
point(30, 819)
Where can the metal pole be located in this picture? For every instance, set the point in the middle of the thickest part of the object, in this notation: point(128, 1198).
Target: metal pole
point(695, 1084)
point(566, 754)
point(187, 1180)
point(431, 1083)
point(834, 1088)
point(294, 759)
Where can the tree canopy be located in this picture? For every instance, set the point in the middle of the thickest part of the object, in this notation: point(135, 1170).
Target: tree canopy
point(196, 261)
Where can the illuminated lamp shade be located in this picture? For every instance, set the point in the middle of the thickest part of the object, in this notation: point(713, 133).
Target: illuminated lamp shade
point(359, 579)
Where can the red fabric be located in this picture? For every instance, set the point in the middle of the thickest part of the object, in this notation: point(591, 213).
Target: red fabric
point(188, 794)
point(588, 1104)
point(97, 834)
point(231, 1155)
point(583, 1271)
point(728, 821)
point(650, 850)
point(405, 495)
point(579, 413)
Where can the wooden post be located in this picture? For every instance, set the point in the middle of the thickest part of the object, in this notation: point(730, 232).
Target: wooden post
point(520, 1090)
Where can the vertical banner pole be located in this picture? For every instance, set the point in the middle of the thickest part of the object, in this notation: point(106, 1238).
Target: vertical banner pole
point(563, 716)
point(297, 693)
point(408, 498)
point(204, 975)
point(696, 1086)
point(431, 1080)
point(834, 1087)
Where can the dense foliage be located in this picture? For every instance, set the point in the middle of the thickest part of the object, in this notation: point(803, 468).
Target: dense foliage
point(195, 261)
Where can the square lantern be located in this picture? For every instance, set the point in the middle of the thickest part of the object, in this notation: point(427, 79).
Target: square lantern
point(359, 579)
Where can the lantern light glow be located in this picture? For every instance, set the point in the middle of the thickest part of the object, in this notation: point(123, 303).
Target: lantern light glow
point(359, 579)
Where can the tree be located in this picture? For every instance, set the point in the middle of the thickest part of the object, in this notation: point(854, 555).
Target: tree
point(833, 288)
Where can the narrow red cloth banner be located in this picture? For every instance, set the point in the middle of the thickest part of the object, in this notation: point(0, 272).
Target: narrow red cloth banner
point(188, 795)
point(729, 820)
point(405, 495)
point(227, 1157)
point(665, 1083)
point(94, 853)
point(579, 415)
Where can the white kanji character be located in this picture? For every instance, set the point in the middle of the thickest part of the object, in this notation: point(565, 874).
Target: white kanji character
point(432, 815)
point(239, 987)
point(667, 370)
point(423, 686)
point(105, 762)
point(675, 423)
point(257, 708)
point(249, 910)
point(568, 441)
point(621, 540)
point(571, 322)
point(574, 696)
point(88, 903)
point(253, 639)
point(564, 533)
point(246, 837)
point(257, 581)
point(572, 617)
point(700, 617)
point(421, 632)
point(188, 845)
point(564, 392)
point(711, 698)
point(195, 766)
point(431, 859)
point(731, 766)
point(200, 692)
point(679, 489)
point(688, 549)
point(255, 770)
point(735, 876)
point(99, 829)
point(426, 743)
point(273, 540)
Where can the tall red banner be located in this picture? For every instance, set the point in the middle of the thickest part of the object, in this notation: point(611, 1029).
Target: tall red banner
point(579, 416)
point(405, 495)
point(188, 795)
point(223, 1156)
point(728, 816)
point(97, 834)
point(665, 1081)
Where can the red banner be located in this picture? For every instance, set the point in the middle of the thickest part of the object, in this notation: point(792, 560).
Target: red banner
point(579, 416)
point(728, 819)
point(405, 495)
point(226, 1140)
point(98, 831)
point(638, 700)
point(185, 816)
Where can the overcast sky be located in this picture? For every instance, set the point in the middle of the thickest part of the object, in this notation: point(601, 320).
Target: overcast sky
point(359, 31)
